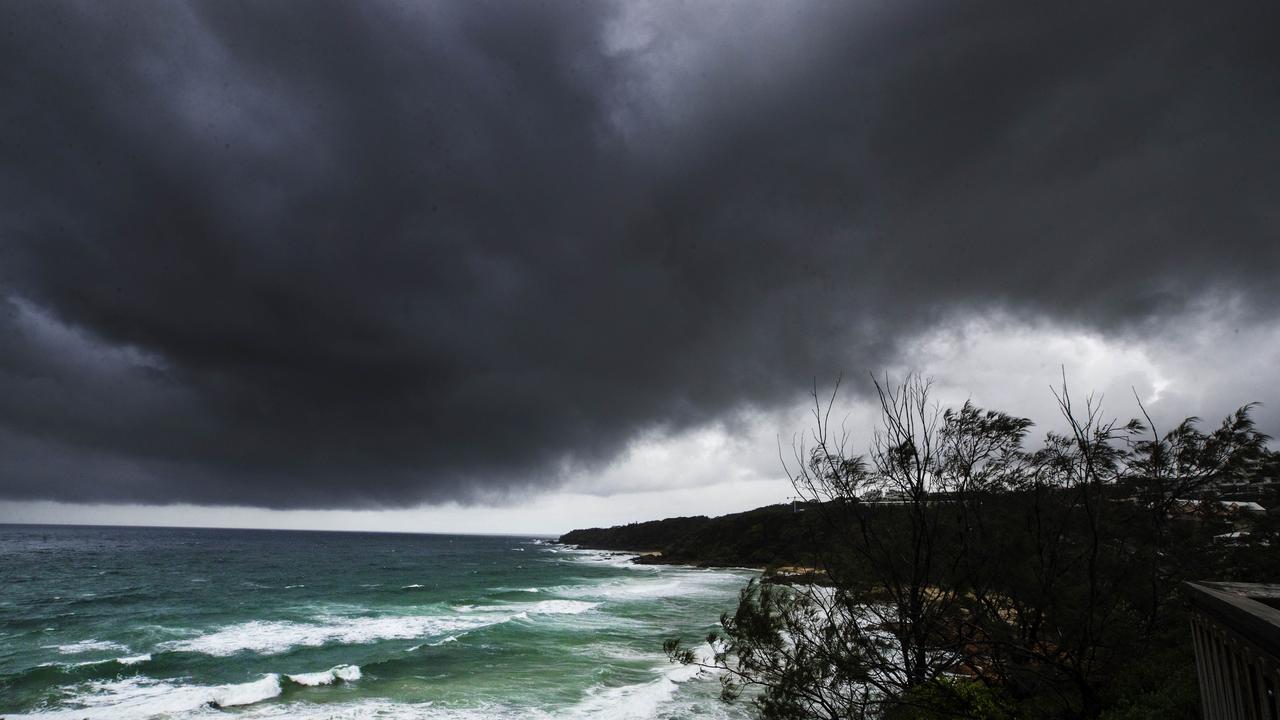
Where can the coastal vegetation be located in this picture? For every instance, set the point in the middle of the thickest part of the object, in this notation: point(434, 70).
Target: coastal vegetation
point(769, 538)
point(966, 574)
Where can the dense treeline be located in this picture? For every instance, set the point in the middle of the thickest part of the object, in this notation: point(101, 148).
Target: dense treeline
point(971, 576)
point(770, 536)
point(654, 535)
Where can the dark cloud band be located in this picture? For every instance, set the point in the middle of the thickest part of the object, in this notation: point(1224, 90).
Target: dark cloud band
point(367, 253)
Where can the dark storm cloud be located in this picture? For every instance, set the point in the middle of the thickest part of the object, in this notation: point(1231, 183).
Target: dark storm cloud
point(372, 253)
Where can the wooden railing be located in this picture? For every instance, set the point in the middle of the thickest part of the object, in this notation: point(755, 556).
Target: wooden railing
point(1236, 631)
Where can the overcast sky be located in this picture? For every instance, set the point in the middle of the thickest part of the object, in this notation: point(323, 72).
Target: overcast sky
point(522, 267)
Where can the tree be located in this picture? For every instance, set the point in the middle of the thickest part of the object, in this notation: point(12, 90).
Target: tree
point(902, 566)
point(969, 576)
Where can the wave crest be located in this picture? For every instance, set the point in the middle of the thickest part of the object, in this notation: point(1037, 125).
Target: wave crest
point(138, 698)
point(270, 637)
point(344, 673)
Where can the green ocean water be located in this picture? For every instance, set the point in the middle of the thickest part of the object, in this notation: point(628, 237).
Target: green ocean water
point(149, 622)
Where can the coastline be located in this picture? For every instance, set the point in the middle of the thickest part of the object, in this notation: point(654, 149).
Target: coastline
point(775, 540)
point(784, 574)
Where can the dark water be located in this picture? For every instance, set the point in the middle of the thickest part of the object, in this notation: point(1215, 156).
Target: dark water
point(151, 622)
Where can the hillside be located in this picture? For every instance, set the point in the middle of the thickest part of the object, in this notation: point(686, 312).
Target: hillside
point(654, 535)
point(770, 536)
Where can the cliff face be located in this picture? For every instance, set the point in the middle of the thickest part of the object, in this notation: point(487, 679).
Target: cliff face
point(765, 537)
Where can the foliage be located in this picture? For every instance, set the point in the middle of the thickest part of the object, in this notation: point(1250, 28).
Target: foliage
point(973, 577)
point(773, 535)
point(952, 697)
point(652, 535)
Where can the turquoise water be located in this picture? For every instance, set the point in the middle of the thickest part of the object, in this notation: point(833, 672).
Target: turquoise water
point(149, 622)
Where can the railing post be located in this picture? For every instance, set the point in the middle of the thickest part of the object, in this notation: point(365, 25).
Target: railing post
point(1235, 630)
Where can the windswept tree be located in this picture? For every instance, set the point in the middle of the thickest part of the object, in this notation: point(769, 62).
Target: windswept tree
point(900, 527)
point(1164, 471)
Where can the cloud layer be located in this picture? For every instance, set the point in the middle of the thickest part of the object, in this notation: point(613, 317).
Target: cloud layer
point(363, 254)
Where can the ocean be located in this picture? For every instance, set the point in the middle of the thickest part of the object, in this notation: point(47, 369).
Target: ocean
point(125, 623)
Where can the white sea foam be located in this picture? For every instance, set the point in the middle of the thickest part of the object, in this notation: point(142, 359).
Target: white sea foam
point(85, 646)
point(561, 607)
point(269, 637)
point(659, 697)
point(673, 583)
point(639, 701)
point(345, 673)
point(606, 557)
point(137, 698)
point(650, 702)
point(628, 702)
point(142, 698)
point(247, 693)
point(377, 709)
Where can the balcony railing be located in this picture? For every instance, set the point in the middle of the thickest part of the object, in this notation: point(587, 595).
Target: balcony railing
point(1236, 631)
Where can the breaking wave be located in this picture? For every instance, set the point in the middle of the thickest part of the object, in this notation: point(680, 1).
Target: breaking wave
point(271, 637)
point(137, 698)
point(345, 673)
